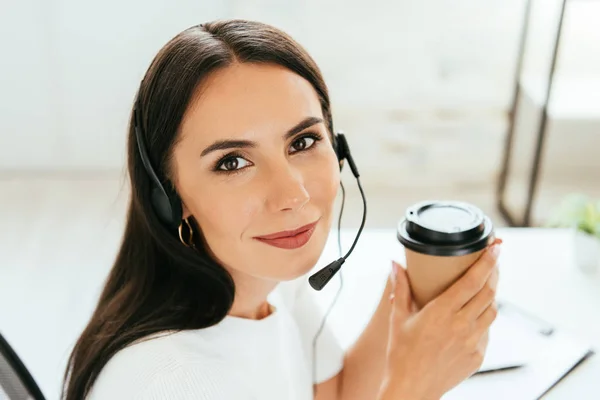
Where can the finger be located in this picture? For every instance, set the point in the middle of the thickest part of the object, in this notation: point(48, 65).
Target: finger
point(486, 319)
point(464, 289)
point(483, 342)
point(401, 296)
point(478, 304)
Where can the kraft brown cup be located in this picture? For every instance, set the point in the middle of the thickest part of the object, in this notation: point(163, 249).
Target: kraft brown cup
point(442, 239)
point(429, 275)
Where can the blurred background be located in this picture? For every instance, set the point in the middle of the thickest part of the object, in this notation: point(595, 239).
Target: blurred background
point(423, 90)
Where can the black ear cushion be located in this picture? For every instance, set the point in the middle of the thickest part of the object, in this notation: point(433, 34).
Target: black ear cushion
point(339, 151)
point(167, 206)
point(176, 208)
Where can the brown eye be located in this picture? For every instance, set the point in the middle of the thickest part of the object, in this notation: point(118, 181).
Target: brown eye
point(232, 164)
point(302, 143)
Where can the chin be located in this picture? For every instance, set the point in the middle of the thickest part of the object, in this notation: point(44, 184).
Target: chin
point(300, 262)
point(302, 268)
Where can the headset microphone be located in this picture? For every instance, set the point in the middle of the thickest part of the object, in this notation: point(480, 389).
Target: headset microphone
point(319, 279)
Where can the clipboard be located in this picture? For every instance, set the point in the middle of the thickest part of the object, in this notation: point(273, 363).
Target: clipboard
point(526, 358)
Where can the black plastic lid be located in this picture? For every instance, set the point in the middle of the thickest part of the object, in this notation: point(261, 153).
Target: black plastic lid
point(445, 228)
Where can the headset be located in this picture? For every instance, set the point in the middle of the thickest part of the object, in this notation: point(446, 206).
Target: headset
point(167, 205)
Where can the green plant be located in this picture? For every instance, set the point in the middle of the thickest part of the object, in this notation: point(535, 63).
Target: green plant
point(577, 211)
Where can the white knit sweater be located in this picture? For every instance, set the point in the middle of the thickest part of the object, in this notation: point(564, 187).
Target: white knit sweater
point(238, 359)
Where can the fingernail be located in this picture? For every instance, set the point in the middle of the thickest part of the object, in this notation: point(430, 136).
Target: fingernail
point(394, 269)
point(495, 251)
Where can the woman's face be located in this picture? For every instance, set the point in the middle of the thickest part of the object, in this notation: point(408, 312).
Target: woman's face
point(255, 159)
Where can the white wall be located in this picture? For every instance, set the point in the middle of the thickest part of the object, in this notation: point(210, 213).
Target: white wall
point(69, 73)
point(401, 73)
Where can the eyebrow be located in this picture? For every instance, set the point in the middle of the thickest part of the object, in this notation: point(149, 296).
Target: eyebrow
point(236, 144)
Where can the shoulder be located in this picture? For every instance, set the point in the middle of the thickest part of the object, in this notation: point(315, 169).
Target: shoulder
point(164, 366)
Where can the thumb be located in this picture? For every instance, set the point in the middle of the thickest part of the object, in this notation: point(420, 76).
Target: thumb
point(401, 296)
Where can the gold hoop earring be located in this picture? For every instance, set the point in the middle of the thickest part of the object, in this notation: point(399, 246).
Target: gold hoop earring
point(190, 234)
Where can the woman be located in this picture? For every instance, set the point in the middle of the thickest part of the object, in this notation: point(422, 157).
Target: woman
point(202, 301)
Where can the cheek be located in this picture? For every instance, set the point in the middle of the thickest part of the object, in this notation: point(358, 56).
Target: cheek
point(322, 183)
point(224, 215)
point(221, 216)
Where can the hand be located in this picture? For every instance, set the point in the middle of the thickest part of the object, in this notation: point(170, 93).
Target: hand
point(433, 350)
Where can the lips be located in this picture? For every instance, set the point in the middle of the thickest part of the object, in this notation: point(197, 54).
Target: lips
point(284, 234)
point(291, 239)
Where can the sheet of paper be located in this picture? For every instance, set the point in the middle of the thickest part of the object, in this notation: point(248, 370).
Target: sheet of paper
point(547, 359)
point(509, 345)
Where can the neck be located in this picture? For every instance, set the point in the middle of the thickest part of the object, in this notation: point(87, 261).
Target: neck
point(251, 296)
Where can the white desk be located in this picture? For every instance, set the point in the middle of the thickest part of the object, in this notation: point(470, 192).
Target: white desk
point(537, 273)
point(46, 301)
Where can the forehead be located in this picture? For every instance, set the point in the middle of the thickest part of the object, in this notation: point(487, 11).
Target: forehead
point(249, 101)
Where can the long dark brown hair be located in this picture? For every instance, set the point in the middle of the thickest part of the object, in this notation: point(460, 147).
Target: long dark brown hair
point(157, 283)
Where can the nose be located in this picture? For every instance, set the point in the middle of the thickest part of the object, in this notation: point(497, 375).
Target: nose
point(286, 190)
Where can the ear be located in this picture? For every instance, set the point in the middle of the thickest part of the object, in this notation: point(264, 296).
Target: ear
point(186, 212)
